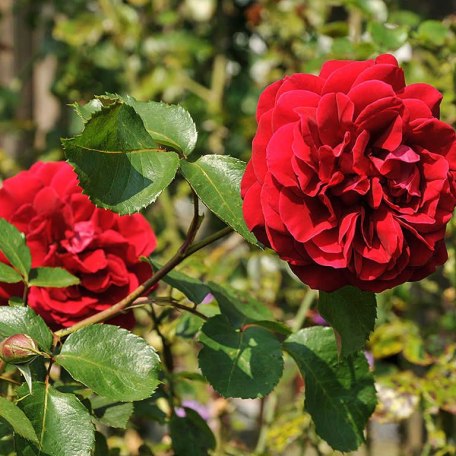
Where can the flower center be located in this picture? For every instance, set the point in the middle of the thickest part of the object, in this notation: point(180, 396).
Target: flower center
point(79, 238)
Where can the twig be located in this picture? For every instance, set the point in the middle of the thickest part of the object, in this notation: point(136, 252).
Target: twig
point(9, 380)
point(171, 302)
point(180, 255)
point(209, 240)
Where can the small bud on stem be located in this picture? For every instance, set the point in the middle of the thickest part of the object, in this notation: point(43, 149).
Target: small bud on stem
point(18, 349)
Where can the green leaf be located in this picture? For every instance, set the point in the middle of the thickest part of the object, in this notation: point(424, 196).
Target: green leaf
point(216, 180)
point(17, 420)
point(23, 320)
point(189, 324)
point(111, 361)
point(239, 363)
point(7, 447)
point(274, 326)
point(86, 111)
point(340, 394)
point(388, 37)
point(51, 277)
point(101, 445)
point(352, 313)
point(113, 414)
point(238, 307)
point(62, 423)
point(149, 410)
point(194, 289)
point(8, 274)
point(432, 32)
point(119, 165)
point(26, 372)
point(13, 246)
point(170, 125)
point(15, 301)
point(190, 435)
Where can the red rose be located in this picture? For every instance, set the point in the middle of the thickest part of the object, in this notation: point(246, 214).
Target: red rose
point(63, 228)
point(352, 176)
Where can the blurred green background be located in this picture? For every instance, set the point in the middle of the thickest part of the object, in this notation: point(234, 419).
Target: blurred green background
point(214, 58)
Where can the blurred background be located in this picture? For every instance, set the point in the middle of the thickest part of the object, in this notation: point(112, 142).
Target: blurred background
point(214, 58)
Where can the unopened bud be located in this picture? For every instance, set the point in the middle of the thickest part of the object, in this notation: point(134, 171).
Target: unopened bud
point(18, 349)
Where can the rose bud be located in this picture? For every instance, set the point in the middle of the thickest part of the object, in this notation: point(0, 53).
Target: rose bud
point(18, 349)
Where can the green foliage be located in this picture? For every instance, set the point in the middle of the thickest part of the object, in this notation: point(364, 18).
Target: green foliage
point(51, 277)
point(388, 38)
point(16, 418)
point(63, 425)
point(352, 313)
point(113, 414)
point(214, 60)
point(432, 33)
point(171, 126)
point(240, 309)
point(193, 289)
point(8, 274)
point(244, 363)
point(111, 361)
point(105, 153)
point(13, 246)
point(23, 320)
point(340, 394)
point(216, 180)
point(191, 435)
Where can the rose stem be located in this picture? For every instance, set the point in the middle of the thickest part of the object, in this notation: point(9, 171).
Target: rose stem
point(184, 251)
point(169, 302)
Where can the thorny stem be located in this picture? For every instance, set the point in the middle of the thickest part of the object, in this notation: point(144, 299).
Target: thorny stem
point(167, 358)
point(171, 302)
point(209, 240)
point(186, 249)
point(9, 380)
point(25, 294)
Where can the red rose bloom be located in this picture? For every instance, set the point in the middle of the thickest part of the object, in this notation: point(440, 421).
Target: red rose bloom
point(352, 176)
point(63, 228)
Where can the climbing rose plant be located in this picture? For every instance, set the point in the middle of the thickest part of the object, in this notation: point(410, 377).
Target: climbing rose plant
point(351, 182)
point(63, 228)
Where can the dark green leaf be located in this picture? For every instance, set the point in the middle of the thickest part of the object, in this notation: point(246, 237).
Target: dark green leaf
point(239, 307)
point(52, 277)
point(189, 324)
point(6, 440)
point(169, 125)
point(26, 372)
point(15, 301)
point(62, 423)
point(17, 420)
point(13, 246)
point(111, 361)
point(149, 410)
point(194, 289)
point(274, 326)
point(239, 363)
point(101, 445)
point(340, 395)
point(23, 320)
point(216, 180)
point(119, 165)
point(352, 313)
point(113, 414)
point(8, 274)
point(191, 436)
